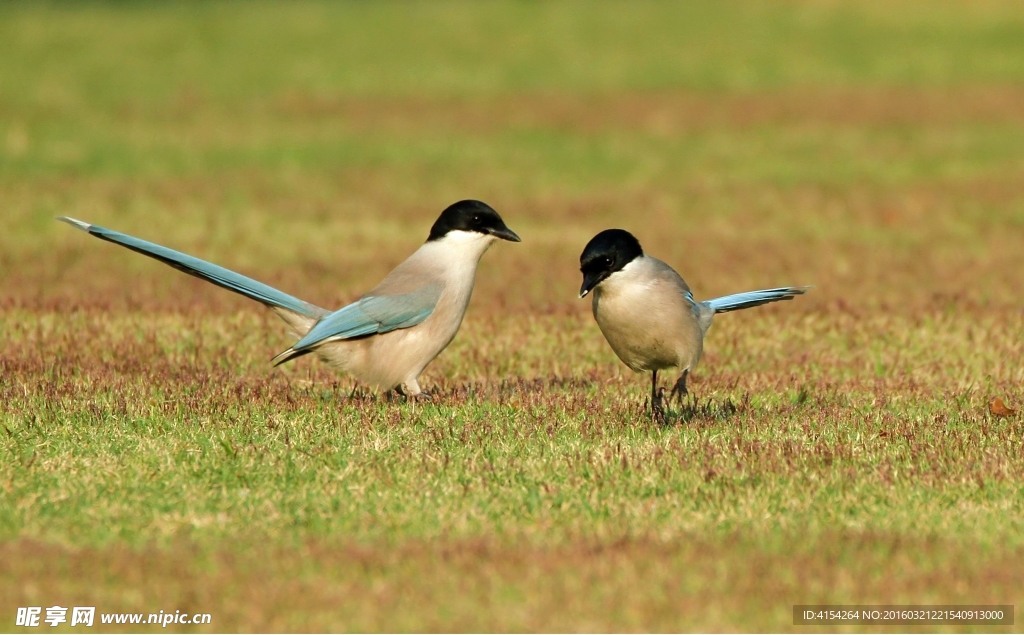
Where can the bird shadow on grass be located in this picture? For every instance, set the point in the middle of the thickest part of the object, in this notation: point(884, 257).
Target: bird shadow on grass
point(689, 410)
point(694, 410)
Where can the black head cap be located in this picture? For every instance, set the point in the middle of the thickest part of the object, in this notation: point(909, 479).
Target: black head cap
point(471, 216)
point(606, 253)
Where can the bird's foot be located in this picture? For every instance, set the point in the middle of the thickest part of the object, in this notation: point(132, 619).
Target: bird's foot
point(413, 394)
point(421, 397)
point(679, 390)
point(409, 389)
point(658, 406)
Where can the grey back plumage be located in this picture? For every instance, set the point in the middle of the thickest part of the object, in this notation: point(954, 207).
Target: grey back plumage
point(404, 298)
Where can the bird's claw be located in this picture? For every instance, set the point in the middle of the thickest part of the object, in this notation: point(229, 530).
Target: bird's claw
point(658, 406)
point(679, 390)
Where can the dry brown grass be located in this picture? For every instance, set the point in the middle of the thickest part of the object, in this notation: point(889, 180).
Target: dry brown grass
point(630, 585)
point(913, 250)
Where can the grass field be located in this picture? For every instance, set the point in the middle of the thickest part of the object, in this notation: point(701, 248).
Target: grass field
point(842, 448)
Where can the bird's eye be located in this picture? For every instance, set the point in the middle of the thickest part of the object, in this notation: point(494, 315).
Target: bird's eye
point(607, 261)
point(477, 219)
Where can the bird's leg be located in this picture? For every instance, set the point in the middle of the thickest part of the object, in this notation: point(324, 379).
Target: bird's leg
point(654, 387)
point(657, 409)
point(679, 390)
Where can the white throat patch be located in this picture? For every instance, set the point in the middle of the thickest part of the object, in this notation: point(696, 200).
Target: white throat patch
point(459, 236)
point(460, 245)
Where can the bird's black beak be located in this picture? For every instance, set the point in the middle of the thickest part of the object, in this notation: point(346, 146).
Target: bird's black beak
point(505, 234)
point(590, 280)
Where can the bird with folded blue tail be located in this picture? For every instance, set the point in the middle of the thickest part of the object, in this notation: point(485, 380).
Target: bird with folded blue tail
point(389, 335)
point(647, 313)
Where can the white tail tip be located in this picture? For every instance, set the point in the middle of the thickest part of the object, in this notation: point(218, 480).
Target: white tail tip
point(75, 223)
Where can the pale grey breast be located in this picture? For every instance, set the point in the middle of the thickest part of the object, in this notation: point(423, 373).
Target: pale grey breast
point(648, 316)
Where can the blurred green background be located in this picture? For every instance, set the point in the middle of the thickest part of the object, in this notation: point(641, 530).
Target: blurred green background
point(294, 139)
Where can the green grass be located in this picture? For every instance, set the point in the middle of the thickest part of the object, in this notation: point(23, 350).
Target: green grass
point(548, 460)
point(840, 448)
point(455, 48)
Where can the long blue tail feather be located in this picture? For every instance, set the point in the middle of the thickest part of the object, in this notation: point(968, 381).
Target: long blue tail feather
point(750, 299)
point(205, 270)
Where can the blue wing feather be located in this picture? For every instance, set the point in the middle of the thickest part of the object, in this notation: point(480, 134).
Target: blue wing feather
point(370, 316)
